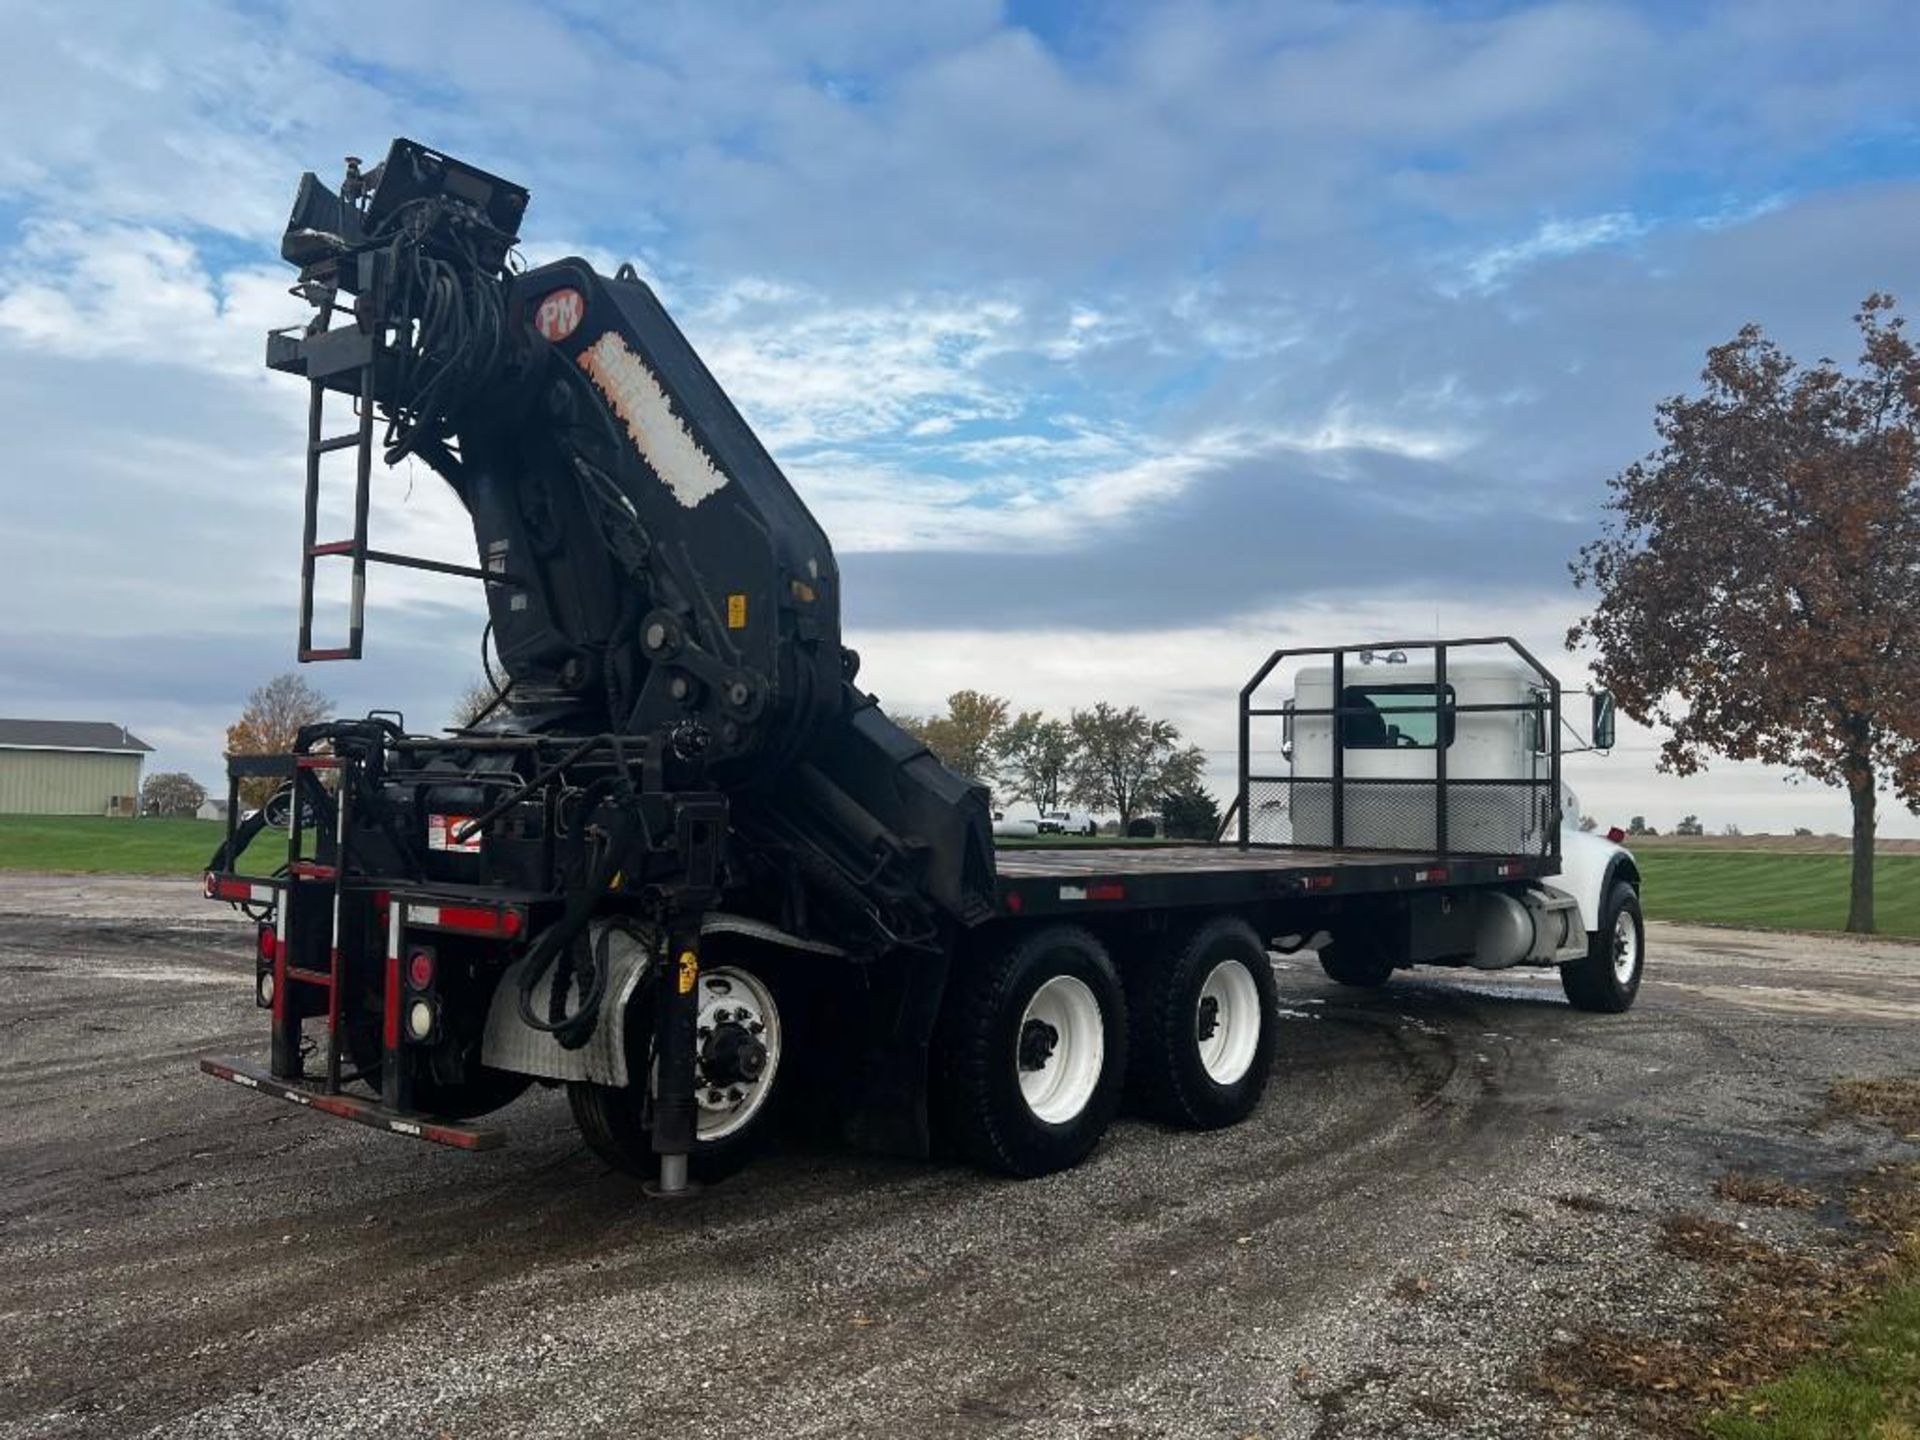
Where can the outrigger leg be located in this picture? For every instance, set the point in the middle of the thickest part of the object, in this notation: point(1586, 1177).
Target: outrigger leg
point(674, 1107)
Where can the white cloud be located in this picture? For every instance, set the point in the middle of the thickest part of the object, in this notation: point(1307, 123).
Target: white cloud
point(1553, 240)
point(807, 371)
point(118, 292)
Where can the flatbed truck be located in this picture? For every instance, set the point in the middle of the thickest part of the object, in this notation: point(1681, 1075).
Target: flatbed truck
point(685, 868)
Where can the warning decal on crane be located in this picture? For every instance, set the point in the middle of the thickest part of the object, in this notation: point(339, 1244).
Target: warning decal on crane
point(661, 436)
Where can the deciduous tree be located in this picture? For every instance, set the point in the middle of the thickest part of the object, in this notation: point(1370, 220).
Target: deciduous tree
point(967, 737)
point(1036, 756)
point(171, 792)
point(273, 717)
point(1759, 577)
point(1123, 760)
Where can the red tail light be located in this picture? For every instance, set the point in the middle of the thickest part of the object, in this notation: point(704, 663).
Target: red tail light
point(1616, 834)
point(420, 970)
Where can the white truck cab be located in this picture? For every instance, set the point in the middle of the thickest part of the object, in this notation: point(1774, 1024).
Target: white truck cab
point(1452, 754)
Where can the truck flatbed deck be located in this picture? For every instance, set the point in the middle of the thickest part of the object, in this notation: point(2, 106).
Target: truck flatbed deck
point(1068, 879)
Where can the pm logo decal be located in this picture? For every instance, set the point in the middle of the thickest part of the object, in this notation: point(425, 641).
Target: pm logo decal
point(560, 314)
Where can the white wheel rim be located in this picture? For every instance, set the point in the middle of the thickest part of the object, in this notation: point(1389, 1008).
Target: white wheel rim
point(735, 1009)
point(1226, 1022)
point(1626, 948)
point(1059, 1049)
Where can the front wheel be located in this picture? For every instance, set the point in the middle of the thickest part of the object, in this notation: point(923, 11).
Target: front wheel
point(1203, 1034)
point(1607, 978)
point(741, 1042)
point(1033, 1053)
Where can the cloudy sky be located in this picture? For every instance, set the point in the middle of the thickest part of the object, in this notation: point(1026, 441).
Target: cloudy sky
point(1113, 345)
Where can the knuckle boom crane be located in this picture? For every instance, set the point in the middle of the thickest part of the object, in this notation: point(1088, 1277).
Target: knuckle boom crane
point(682, 856)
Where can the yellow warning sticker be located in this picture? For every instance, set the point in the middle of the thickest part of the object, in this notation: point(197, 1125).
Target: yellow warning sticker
point(689, 970)
point(736, 612)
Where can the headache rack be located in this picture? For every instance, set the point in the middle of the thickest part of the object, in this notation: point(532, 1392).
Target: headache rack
point(1498, 795)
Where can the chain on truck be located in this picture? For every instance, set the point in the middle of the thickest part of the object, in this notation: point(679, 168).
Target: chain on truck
point(685, 867)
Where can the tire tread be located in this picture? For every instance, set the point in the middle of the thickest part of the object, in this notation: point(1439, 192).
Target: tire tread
point(1156, 994)
point(969, 1055)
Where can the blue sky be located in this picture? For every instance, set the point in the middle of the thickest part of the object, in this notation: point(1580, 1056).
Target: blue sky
point(1113, 344)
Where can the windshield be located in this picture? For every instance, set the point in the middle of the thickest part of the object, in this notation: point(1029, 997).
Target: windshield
point(1394, 717)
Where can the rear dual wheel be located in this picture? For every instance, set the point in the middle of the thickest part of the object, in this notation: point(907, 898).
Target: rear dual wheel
point(1203, 1031)
point(1032, 1053)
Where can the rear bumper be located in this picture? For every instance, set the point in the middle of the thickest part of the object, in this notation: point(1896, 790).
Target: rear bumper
point(353, 1107)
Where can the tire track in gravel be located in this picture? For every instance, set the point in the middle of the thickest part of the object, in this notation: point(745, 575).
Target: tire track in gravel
point(181, 1258)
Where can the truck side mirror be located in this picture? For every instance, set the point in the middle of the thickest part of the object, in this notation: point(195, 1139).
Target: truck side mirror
point(1286, 733)
point(1603, 720)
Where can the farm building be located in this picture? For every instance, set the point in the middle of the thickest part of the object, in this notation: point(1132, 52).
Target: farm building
point(69, 767)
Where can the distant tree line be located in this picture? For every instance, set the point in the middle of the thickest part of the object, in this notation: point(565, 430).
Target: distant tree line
point(1104, 758)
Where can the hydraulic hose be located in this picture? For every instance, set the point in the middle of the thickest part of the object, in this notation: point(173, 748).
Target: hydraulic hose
point(555, 945)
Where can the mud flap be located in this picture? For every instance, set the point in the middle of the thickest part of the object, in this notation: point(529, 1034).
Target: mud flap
point(511, 1044)
point(900, 1007)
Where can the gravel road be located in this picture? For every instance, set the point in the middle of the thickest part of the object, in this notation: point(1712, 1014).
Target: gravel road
point(1444, 1178)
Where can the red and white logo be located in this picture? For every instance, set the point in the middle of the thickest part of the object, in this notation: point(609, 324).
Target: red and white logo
point(560, 314)
point(443, 833)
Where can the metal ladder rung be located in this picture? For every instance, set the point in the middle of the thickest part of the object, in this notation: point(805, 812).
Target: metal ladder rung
point(360, 440)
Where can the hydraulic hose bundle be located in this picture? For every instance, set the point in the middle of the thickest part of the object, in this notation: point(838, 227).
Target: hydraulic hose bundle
point(451, 314)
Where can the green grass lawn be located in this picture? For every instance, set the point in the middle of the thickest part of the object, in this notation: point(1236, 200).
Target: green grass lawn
point(1868, 1388)
point(95, 845)
point(1784, 891)
point(1778, 891)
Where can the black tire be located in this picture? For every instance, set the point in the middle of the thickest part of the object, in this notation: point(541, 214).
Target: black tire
point(978, 1086)
point(616, 1121)
point(1592, 982)
point(1358, 958)
point(1168, 1076)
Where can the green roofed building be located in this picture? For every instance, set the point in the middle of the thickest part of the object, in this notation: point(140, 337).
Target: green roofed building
point(69, 767)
